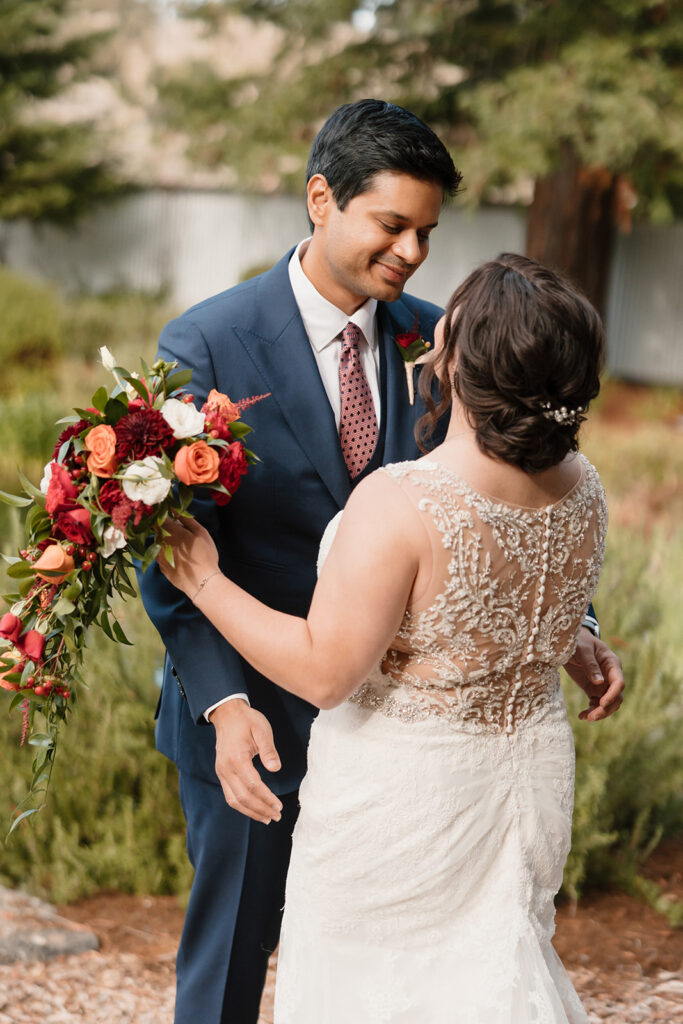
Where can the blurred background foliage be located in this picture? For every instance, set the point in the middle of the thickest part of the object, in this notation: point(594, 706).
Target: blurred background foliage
point(574, 107)
point(113, 818)
point(48, 169)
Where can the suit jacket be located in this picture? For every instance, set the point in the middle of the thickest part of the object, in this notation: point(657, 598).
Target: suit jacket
point(247, 341)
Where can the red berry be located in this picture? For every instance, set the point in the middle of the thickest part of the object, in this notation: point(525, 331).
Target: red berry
point(69, 549)
point(86, 566)
point(66, 694)
point(40, 691)
point(188, 399)
point(30, 681)
point(214, 433)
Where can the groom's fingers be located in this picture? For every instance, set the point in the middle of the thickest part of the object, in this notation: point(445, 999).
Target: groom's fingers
point(246, 792)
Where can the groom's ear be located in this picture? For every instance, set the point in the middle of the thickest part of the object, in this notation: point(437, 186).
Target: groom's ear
point(319, 200)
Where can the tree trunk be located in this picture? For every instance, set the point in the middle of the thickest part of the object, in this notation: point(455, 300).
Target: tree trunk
point(570, 225)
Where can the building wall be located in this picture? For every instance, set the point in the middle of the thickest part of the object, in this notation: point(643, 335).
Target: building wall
point(194, 244)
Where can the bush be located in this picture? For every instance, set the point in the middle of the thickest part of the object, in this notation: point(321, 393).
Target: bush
point(629, 773)
point(30, 324)
point(127, 323)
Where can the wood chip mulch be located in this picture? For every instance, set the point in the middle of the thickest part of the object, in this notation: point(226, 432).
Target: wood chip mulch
point(624, 959)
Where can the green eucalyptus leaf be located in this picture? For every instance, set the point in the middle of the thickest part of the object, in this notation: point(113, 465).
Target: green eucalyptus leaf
point(15, 500)
point(17, 699)
point(20, 570)
point(178, 380)
point(120, 635)
point(239, 430)
point(41, 739)
point(25, 814)
point(64, 607)
point(100, 399)
point(30, 488)
point(116, 409)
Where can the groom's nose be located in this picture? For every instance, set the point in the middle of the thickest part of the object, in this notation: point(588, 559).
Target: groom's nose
point(407, 248)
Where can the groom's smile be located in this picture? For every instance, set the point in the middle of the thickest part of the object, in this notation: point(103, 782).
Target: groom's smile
point(370, 248)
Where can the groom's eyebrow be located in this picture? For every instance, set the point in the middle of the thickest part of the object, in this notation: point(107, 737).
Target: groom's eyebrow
point(400, 216)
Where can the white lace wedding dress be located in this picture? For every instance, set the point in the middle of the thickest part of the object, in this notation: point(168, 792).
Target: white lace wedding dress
point(436, 812)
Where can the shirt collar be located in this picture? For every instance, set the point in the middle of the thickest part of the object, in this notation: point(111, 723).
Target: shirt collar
point(323, 321)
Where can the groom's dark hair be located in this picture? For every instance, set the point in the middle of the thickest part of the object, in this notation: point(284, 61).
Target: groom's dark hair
point(362, 139)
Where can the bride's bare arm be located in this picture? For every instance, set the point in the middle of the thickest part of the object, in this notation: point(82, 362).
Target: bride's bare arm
point(357, 606)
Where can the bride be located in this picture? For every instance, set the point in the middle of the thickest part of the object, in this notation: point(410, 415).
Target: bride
point(436, 812)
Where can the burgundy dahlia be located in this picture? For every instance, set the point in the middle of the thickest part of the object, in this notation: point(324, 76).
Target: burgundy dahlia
point(141, 433)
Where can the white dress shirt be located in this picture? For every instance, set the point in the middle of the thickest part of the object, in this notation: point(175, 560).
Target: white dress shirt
point(324, 324)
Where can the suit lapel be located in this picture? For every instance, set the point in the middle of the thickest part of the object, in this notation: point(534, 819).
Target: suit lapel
point(278, 345)
point(400, 416)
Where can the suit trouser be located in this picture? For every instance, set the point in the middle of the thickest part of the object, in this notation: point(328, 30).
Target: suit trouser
point(234, 914)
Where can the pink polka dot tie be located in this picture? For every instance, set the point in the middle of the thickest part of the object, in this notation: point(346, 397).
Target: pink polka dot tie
point(358, 422)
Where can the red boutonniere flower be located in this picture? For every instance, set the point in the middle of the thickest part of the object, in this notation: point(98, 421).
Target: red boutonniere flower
point(413, 350)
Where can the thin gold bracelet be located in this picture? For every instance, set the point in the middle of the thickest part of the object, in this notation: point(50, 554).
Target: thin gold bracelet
point(202, 584)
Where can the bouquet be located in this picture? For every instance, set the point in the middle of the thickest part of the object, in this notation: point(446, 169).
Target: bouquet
point(118, 470)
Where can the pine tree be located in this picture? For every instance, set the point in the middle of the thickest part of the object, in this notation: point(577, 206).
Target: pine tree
point(576, 105)
point(48, 170)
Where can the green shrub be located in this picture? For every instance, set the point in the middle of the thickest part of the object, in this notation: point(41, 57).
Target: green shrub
point(30, 325)
point(128, 323)
point(629, 775)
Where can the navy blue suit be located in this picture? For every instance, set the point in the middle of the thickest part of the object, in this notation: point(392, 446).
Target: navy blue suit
point(246, 341)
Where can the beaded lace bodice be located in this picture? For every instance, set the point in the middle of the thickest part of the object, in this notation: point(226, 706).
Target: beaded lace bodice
point(510, 586)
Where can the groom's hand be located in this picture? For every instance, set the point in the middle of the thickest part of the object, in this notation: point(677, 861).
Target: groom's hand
point(597, 670)
point(241, 734)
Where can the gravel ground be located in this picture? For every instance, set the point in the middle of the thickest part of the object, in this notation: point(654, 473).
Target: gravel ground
point(109, 988)
point(624, 960)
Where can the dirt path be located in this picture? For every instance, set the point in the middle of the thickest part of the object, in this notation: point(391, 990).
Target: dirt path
point(624, 959)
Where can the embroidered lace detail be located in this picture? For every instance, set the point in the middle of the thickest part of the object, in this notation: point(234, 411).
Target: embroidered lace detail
point(512, 592)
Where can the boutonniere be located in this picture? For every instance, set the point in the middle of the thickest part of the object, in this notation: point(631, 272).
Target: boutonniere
point(413, 350)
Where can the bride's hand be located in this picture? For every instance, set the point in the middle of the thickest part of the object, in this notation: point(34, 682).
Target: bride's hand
point(194, 554)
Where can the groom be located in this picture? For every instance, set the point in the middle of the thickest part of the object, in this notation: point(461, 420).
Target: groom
point(318, 332)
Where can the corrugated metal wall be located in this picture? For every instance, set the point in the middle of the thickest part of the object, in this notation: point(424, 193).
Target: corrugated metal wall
point(194, 244)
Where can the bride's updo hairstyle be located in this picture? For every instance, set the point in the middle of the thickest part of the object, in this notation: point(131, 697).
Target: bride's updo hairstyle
point(527, 350)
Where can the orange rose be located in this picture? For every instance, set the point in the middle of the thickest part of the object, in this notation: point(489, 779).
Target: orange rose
point(101, 443)
point(197, 464)
point(229, 410)
point(54, 559)
point(18, 665)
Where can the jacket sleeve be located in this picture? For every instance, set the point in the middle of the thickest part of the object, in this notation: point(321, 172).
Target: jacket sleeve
point(208, 668)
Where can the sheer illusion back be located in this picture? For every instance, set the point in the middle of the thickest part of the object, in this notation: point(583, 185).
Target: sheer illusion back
point(508, 591)
point(436, 812)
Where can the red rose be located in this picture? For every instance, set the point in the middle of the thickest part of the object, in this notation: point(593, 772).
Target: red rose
point(61, 492)
point(407, 339)
point(32, 645)
point(232, 467)
point(75, 526)
point(10, 627)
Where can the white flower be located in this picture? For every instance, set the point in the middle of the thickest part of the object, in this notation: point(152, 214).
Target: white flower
point(114, 539)
point(47, 476)
point(129, 389)
point(142, 481)
point(183, 418)
point(108, 360)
